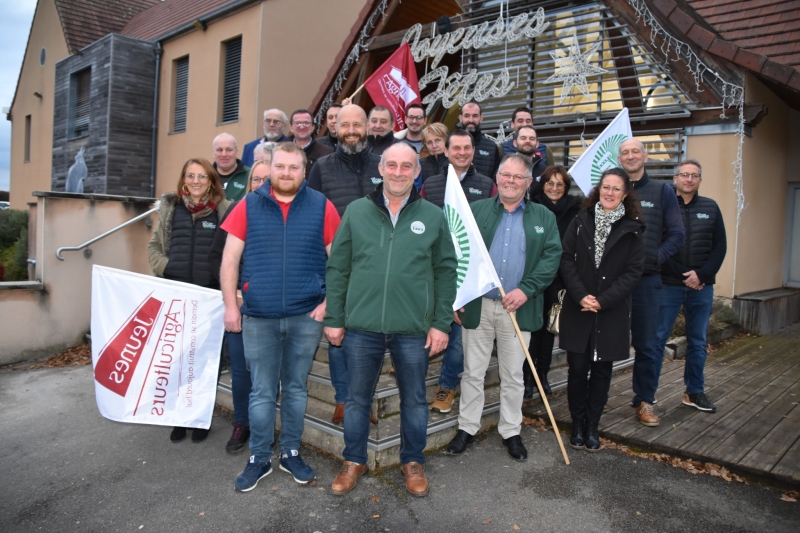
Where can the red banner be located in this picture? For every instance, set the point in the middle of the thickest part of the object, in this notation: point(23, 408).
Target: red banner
point(118, 360)
point(395, 85)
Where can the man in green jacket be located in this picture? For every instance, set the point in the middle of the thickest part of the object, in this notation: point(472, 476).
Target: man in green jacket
point(232, 172)
point(524, 244)
point(391, 282)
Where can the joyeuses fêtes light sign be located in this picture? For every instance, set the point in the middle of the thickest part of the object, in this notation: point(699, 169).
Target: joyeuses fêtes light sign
point(462, 88)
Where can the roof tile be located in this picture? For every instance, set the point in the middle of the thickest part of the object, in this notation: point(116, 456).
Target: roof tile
point(85, 21)
point(794, 81)
point(169, 15)
point(749, 60)
point(723, 48)
point(777, 71)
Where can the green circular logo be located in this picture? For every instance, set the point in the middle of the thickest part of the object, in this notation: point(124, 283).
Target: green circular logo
point(606, 156)
point(460, 241)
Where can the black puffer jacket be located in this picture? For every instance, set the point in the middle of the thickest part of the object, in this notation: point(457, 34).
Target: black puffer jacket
point(343, 178)
point(379, 144)
point(487, 154)
point(476, 187)
point(433, 165)
point(612, 284)
point(328, 140)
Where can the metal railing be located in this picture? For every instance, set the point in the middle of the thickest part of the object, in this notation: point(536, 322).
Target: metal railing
point(87, 253)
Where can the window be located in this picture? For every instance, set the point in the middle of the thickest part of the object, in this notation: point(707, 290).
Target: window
point(232, 56)
point(42, 57)
point(79, 109)
point(27, 144)
point(180, 94)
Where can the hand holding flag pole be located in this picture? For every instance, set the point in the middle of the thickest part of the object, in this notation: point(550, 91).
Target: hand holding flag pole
point(476, 272)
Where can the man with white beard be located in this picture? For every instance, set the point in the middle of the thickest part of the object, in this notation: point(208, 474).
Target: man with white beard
point(275, 121)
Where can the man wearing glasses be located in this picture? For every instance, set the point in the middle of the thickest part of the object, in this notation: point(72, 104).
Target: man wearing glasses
point(302, 127)
point(415, 121)
point(663, 237)
point(274, 122)
point(689, 277)
point(525, 247)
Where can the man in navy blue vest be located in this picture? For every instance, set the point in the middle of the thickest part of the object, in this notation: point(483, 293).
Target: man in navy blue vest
point(288, 229)
point(689, 278)
point(663, 237)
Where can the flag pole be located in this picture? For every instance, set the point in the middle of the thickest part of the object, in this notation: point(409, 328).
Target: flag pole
point(536, 377)
point(357, 91)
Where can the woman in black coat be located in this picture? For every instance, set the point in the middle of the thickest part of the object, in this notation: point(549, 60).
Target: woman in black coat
point(551, 191)
point(601, 262)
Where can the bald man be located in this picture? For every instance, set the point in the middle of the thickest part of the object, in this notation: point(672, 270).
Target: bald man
point(232, 172)
point(663, 238)
point(346, 175)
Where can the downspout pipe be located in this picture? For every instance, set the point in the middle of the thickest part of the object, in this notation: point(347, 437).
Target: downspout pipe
point(154, 141)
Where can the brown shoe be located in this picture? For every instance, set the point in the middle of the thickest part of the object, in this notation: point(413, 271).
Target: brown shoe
point(347, 478)
point(444, 400)
point(338, 414)
point(416, 482)
point(646, 415)
point(372, 418)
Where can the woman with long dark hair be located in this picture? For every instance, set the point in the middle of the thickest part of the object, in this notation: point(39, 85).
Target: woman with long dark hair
point(601, 262)
point(551, 191)
point(187, 222)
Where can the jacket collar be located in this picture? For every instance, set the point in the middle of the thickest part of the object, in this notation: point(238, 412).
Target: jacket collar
point(350, 159)
point(377, 197)
point(642, 182)
point(381, 140)
point(694, 199)
point(239, 168)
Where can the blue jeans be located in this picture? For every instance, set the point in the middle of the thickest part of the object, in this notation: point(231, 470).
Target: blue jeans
point(697, 311)
point(338, 367)
point(240, 378)
point(644, 330)
point(453, 359)
point(278, 350)
point(365, 351)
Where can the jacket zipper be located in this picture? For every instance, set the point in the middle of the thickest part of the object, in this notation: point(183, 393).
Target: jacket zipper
point(283, 285)
point(191, 252)
point(386, 279)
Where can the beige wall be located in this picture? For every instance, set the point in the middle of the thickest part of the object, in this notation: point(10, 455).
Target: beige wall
point(765, 159)
point(42, 322)
point(34, 175)
point(287, 49)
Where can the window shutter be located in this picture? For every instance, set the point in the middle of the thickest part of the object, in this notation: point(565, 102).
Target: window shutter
point(230, 91)
point(181, 94)
point(81, 103)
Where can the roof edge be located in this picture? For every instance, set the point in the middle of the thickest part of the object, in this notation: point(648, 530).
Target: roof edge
point(24, 55)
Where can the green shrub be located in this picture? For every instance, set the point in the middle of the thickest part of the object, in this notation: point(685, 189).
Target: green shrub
point(14, 244)
point(12, 222)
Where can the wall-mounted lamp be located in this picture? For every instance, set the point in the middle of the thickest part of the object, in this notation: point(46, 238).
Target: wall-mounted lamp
point(199, 24)
point(37, 95)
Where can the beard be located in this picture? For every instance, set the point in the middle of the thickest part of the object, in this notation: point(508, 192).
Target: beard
point(352, 148)
point(272, 137)
point(287, 189)
point(528, 151)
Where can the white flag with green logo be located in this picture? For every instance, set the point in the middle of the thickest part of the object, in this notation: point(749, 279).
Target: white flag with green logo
point(476, 273)
point(602, 153)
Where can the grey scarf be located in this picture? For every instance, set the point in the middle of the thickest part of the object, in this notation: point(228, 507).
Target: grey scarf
point(602, 222)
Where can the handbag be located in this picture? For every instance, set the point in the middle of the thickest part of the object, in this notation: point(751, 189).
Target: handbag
point(555, 312)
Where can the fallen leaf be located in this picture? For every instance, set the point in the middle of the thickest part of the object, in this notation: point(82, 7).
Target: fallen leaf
point(516, 527)
point(786, 498)
point(203, 513)
point(376, 499)
point(638, 513)
point(274, 488)
point(141, 527)
point(376, 516)
point(77, 355)
point(487, 521)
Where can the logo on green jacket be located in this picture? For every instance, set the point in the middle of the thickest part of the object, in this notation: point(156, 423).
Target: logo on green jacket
point(539, 230)
point(606, 156)
point(460, 241)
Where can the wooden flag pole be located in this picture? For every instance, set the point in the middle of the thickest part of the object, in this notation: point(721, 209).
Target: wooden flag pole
point(356, 92)
point(536, 377)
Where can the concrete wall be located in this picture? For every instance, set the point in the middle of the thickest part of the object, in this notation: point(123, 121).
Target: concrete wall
point(34, 175)
point(287, 50)
point(40, 322)
point(766, 171)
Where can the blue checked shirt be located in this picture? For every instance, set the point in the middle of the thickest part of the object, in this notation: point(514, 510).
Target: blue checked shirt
point(508, 251)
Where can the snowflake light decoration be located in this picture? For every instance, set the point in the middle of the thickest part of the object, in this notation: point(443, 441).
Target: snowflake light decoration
point(573, 67)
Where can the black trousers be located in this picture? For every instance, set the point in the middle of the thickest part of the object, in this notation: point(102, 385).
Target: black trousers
point(588, 383)
point(541, 350)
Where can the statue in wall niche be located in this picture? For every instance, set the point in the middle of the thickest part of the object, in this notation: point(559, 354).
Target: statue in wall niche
point(76, 173)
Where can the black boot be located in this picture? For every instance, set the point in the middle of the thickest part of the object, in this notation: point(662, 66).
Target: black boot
point(527, 378)
point(576, 439)
point(545, 385)
point(592, 438)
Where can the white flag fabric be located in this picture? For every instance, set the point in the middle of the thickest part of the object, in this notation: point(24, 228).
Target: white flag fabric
point(602, 153)
point(155, 348)
point(476, 273)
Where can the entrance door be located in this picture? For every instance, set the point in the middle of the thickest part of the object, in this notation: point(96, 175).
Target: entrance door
point(792, 267)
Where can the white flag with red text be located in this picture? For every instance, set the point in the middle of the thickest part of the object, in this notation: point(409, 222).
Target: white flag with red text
point(155, 348)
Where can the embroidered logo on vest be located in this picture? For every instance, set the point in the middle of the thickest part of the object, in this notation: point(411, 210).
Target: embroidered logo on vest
point(209, 225)
point(238, 185)
point(483, 152)
point(376, 181)
point(418, 227)
point(539, 230)
point(474, 191)
point(647, 204)
point(703, 216)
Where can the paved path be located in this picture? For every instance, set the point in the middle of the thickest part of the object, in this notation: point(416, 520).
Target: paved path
point(64, 468)
point(755, 384)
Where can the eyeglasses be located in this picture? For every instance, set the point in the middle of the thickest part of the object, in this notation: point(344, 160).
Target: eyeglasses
point(414, 117)
point(516, 177)
point(554, 185)
point(301, 124)
point(608, 188)
point(191, 177)
point(257, 181)
point(686, 176)
point(272, 121)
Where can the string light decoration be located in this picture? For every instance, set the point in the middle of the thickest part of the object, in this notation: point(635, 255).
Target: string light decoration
point(352, 58)
point(572, 68)
point(732, 97)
